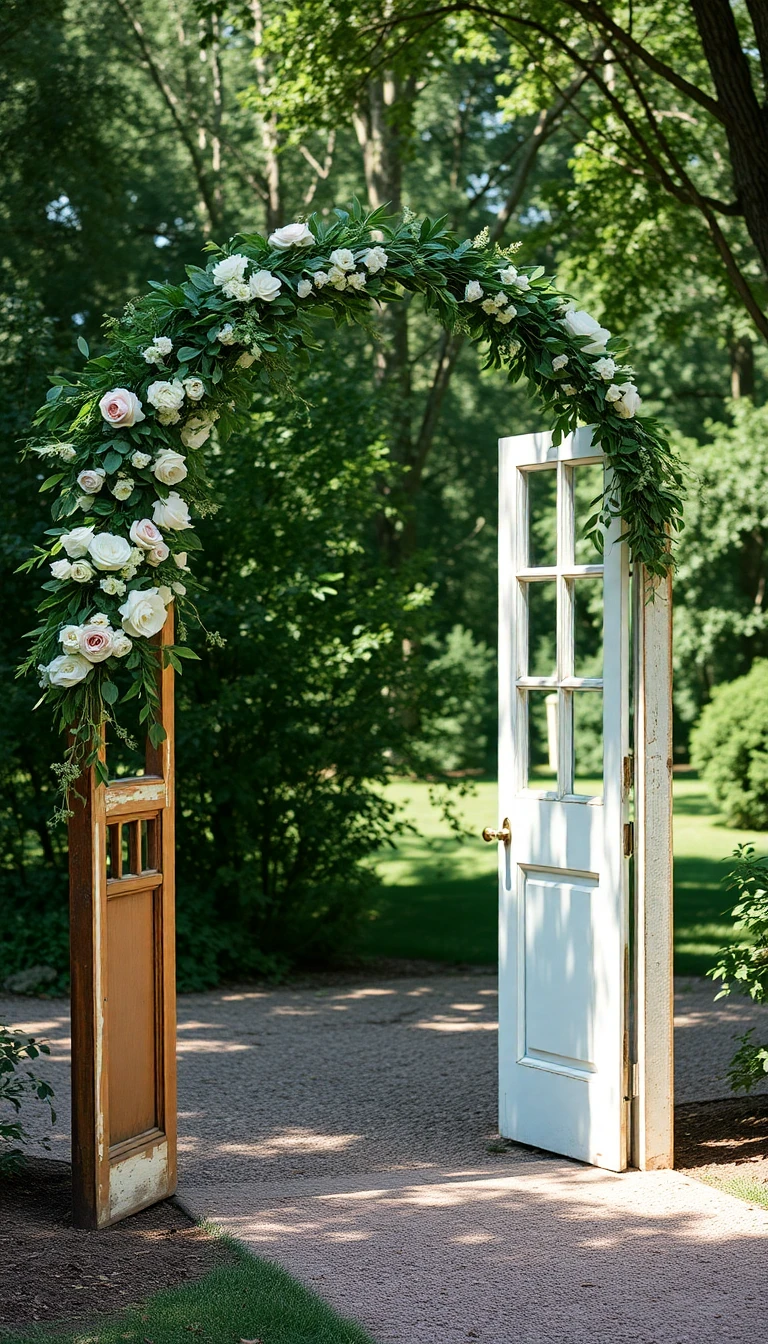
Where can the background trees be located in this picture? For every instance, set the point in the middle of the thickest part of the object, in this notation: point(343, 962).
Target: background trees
point(352, 564)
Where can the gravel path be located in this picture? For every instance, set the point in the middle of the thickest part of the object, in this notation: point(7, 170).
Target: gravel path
point(348, 1132)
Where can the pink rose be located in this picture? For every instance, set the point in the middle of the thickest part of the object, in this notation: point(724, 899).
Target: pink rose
point(145, 534)
point(158, 554)
point(95, 642)
point(121, 408)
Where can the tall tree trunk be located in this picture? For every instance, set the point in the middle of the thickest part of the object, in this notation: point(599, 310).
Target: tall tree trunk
point(742, 354)
point(270, 138)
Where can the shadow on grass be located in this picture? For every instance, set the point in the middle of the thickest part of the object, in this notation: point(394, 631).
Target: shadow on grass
point(437, 920)
point(250, 1299)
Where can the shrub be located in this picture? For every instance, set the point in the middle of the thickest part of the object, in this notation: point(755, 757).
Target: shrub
point(744, 965)
point(17, 1086)
point(729, 745)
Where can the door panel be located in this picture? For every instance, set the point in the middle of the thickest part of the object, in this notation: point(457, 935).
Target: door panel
point(563, 909)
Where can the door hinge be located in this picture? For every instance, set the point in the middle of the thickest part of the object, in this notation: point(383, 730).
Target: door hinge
point(629, 838)
point(628, 772)
point(633, 1081)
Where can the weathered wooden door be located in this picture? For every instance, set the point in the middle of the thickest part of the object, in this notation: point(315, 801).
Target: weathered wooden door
point(123, 986)
point(563, 835)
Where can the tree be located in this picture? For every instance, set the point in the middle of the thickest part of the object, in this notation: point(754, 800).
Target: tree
point(679, 93)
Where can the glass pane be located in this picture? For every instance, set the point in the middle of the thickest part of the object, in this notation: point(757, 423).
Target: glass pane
point(588, 627)
point(542, 740)
point(542, 628)
point(588, 743)
point(542, 517)
point(588, 488)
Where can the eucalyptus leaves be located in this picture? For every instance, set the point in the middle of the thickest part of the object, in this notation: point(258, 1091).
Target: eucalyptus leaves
point(124, 438)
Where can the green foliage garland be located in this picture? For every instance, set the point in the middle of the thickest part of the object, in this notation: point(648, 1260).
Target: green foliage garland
point(124, 438)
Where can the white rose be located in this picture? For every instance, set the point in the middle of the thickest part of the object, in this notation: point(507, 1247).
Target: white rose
point(521, 282)
point(613, 393)
point(194, 388)
point(578, 323)
point(69, 635)
point(152, 355)
point(164, 344)
point(507, 315)
point(169, 467)
point(91, 480)
point(144, 534)
point(238, 289)
point(165, 594)
point(166, 396)
point(357, 280)
point(143, 613)
point(630, 401)
point(81, 571)
point(95, 642)
point(112, 586)
point(168, 417)
point(140, 460)
point(568, 389)
point(121, 408)
point(473, 291)
point(158, 554)
point(172, 513)
point(180, 559)
point(123, 487)
point(304, 289)
point(121, 644)
point(109, 552)
point(61, 569)
point(230, 268)
point(100, 618)
point(244, 362)
point(559, 362)
point(226, 336)
point(291, 235)
point(66, 452)
point(77, 541)
point(321, 278)
point(337, 278)
point(197, 429)
point(375, 259)
point(489, 305)
point(265, 286)
point(67, 670)
point(343, 259)
point(605, 368)
point(508, 275)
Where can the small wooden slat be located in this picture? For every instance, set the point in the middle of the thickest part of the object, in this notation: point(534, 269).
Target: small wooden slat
point(134, 847)
point(126, 886)
point(135, 796)
point(116, 851)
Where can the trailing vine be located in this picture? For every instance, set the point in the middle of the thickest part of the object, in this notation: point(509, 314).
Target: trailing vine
point(125, 438)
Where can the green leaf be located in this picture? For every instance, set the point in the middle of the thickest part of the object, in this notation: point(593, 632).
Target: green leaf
point(186, 353)
point(82, 346)
point(112, 461)
point(51, 481)
point(109, 692)
point(157, 734)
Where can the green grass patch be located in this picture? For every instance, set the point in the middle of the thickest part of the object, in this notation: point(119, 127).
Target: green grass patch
point(250, 1299)
point(754, 1192)
point(438, 898)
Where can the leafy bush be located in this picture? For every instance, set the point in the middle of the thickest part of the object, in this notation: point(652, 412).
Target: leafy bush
point(729, 745)
point(17, 1086)
point(744, 965)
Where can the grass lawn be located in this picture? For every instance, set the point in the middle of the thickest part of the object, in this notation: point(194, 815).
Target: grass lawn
point(247, 1300)
point(438, 899)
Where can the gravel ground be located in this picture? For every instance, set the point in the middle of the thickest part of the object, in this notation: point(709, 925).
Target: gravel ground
point(345, 1132)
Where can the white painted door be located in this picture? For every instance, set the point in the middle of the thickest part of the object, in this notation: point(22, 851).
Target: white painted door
point(563, 875)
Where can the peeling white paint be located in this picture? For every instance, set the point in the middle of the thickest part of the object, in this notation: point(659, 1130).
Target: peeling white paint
point(139, 1180)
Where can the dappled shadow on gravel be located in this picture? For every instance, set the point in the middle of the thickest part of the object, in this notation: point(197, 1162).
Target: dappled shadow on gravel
point(724, 1139)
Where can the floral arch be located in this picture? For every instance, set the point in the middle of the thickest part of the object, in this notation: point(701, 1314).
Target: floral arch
point(125, 439)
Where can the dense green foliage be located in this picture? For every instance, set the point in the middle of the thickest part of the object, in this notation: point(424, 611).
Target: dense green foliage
point(124, 152)
point(730, 747)
point(743, 966)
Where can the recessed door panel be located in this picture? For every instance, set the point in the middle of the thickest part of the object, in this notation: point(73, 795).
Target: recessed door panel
point(558, 1009)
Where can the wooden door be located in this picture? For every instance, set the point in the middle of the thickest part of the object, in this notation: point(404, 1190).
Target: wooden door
point(122, 956)
point(563, 870)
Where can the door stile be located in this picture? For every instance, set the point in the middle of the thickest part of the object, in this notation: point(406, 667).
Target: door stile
point(653, 1109)
point(122, 957)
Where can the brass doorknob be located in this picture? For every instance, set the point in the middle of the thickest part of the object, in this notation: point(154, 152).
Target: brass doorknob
point(504, 833)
